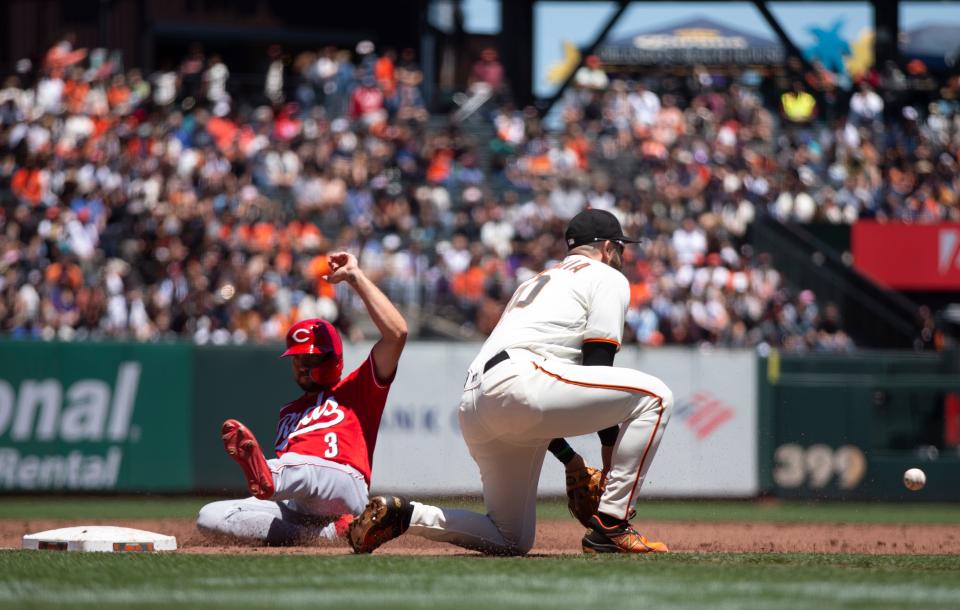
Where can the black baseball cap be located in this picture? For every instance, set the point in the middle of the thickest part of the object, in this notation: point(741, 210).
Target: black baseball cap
point(594, 225)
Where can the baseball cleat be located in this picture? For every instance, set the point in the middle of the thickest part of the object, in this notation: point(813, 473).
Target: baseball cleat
point(242, 447)
point(621, 538)
point(385, 518)
point(342, 525)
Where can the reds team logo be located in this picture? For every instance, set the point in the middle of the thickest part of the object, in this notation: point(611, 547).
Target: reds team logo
point(301, 335)
point(321, 416)
point(327, 415)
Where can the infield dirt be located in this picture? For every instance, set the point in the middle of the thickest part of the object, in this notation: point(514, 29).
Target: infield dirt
point(562, 536)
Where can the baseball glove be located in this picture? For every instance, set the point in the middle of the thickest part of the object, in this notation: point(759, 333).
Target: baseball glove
point(584, 488)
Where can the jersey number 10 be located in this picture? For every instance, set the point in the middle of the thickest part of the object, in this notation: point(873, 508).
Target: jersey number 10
point(521, 302)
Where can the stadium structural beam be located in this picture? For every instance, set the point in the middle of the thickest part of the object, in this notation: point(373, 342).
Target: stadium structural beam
point(785, 40)
point(886, 27)
point(147, 44)
point(427, 50)
point(103, 23)
point(516, 47)
point(612, 21)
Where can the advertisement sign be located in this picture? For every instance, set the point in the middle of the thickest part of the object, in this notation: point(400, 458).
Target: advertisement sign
point(94, 416)
point(710, 446)
point(136, 417)
point(908, 256)
point(708, 449)
point(693, 41)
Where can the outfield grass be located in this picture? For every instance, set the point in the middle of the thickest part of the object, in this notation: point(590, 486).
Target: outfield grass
point(158, 507)
point(747, 581)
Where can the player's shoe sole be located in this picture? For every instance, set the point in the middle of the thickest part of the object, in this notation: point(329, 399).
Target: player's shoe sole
point(242, 447)
point(621, 539)
point(384, 518)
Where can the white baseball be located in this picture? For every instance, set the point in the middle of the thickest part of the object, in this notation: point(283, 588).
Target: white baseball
point(914, 479)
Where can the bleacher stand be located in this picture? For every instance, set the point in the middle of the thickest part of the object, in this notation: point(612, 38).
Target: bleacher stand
point(151, 207)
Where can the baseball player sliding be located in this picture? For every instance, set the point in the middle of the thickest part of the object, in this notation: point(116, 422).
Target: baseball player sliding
point(545, 373)
point(325, 439)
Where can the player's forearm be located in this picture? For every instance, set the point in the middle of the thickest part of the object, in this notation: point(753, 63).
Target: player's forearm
point(606, 457)
point(388, 320)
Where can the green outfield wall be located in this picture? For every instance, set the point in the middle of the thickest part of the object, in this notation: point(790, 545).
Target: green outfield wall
point(131, 417)
point(847, 426)
point(95, 416)
point(122, 417)
point(250, 384)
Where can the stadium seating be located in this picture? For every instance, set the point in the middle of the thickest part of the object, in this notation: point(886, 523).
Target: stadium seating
point(166, 205)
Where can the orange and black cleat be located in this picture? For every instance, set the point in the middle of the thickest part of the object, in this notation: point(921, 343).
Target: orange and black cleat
point(620, 538)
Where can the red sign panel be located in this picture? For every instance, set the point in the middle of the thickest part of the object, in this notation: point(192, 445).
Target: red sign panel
point(908, 256)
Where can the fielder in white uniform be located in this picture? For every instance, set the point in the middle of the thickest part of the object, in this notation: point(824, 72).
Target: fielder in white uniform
point(528, 386)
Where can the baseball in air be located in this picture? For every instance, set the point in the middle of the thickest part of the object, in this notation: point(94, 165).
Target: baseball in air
point(914, 479)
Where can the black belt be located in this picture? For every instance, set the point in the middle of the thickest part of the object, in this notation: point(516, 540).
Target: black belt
point(497, 359)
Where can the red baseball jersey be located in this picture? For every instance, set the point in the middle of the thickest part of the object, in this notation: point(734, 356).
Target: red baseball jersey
point(339, 424)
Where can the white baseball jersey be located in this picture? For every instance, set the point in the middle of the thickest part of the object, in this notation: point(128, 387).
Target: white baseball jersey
point(509, 413)
point(555, 313)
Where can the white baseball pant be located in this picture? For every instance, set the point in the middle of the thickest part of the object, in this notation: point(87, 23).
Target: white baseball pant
point(508, 417)
point(310, 494)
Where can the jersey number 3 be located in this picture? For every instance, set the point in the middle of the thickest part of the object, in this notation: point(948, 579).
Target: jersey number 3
point(521, 302)
point(332, 448)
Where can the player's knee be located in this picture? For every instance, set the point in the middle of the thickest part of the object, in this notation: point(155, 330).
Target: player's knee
point(657, 388)
point(666, 398)
point(210, 517)
point(523, 543)
point(513, 544)
point(524, 546)
point(655, 393)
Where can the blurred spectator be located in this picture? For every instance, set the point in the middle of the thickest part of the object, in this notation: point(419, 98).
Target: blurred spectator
point(590, 75)
point(215, 85)
point(798, 105)
point(191, 73)
point(689, 242)
point(865, 105)
point(488, 70)
point(367, 103)
point(165, 83)
point(62, 55)
point(644, 105)
point(275, 81)
point(174, 207)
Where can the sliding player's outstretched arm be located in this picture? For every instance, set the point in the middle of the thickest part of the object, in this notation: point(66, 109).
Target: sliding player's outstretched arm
point(389, 321)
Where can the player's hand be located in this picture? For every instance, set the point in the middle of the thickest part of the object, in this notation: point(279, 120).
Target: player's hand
point(343, 268)
point(576, 464)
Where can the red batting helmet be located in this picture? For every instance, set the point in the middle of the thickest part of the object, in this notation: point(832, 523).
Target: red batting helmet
point(316, 336)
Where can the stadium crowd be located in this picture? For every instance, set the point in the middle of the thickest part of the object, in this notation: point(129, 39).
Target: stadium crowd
point(167, 205)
